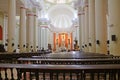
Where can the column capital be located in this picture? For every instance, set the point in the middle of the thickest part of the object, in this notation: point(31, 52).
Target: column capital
point(81, 13)
point(30, 14)
point(22, 7)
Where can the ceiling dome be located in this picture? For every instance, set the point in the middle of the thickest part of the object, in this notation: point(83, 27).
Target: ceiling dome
point(61, 17)
point(59, 1)
point(62, 21)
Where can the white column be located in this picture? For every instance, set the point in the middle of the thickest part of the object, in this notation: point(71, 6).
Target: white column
point(11, 24)
point(6, 31)
point(30, 31)
point(101, 26)
point(114, 26)
point(83, 29)
point(22, 32)
point(35, 33)
point(45, 39)
point(92, 42)
point(86, 27)
point(27, 32)
point(39, 36)
point(80, 28)
point(46, 43)
point(42, 37)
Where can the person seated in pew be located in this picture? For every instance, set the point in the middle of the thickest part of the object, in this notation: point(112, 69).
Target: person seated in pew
point(42, 49)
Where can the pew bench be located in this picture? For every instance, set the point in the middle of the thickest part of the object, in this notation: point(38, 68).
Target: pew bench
point(59, 72)
point(12, 57)
point(69, 61)
point(73, 55)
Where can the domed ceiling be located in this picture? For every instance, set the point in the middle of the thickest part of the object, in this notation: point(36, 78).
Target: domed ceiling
point(59, 15)
point(59, 1)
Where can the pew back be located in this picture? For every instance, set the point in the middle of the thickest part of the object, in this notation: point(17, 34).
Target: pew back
point(60, 72)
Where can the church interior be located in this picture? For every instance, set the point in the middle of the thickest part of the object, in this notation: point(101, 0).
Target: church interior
point(59, 40)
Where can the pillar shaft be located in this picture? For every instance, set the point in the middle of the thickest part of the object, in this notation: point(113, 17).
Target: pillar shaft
point(80, 29)
point(11, 25)
point(114, 26)
point(22, 34)
point(35, 33)
point(86, 28)
point(92, 44)
point(83, 29)
point(30, 32)
point(101, 26)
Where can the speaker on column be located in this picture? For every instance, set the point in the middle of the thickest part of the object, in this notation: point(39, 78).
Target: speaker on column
point(97, 42)
point(85, 45)
point(82, 46)
point(90, 44)
point(12, 44)
point(6, 44)
point(36, 46)
point(18, 45)
point(108, 42)
point(113, 37)
point(24, 45)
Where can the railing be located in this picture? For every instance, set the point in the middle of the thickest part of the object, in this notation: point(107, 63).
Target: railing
point(59, 72)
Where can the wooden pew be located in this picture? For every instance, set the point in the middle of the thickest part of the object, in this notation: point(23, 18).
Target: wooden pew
point(73, 55)
point(69, 61)
point(12, 57)
point(60, 72)
point(76, 58)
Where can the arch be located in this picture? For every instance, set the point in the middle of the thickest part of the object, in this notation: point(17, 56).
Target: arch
point(1, 33)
